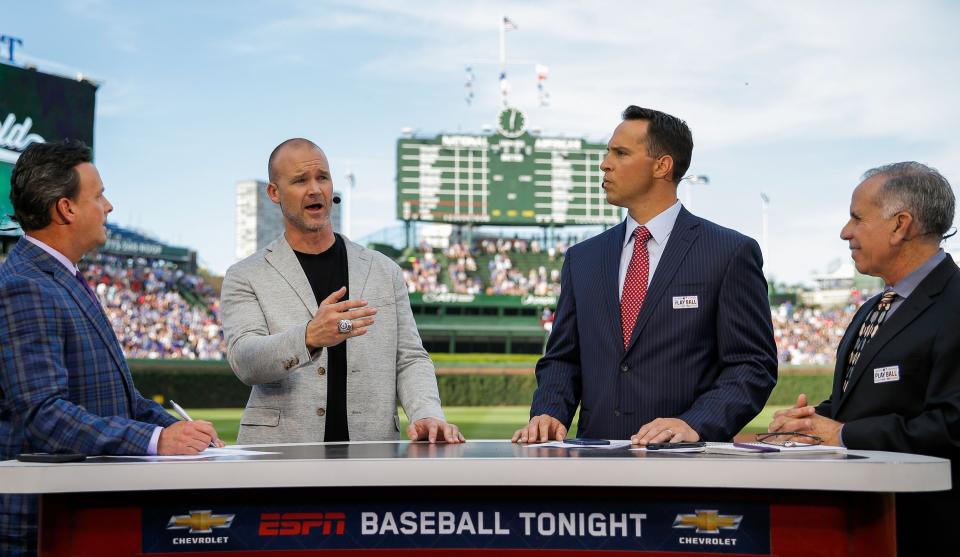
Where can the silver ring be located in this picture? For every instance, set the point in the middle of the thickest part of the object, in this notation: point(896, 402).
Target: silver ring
point(344, 326)
point(670, 430)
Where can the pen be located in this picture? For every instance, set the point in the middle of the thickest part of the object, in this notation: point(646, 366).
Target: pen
point(183, 414)
point(757, 448)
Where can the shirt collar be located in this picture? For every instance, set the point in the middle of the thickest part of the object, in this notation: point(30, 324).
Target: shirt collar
point(659, 226)
point(909, 283)
point(54, 253)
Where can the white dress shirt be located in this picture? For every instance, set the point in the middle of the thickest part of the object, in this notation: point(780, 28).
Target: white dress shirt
point(660, 228)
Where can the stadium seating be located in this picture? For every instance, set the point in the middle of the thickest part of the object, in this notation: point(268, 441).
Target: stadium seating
point(506, 291)
point(156, 309)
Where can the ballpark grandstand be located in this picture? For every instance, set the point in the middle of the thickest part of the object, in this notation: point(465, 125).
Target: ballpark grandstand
point(490, 295)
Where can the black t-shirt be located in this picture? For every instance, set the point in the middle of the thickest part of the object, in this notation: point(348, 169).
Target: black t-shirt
point(327, 273)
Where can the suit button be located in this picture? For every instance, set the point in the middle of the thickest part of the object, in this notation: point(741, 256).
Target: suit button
point(321, 371)
point(321, 411)
point(616, 412)
point(624, 368)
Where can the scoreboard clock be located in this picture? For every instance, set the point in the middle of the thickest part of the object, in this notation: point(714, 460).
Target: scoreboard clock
point(511, 123)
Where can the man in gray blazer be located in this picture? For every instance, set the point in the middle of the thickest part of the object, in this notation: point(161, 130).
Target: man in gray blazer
point(321, 327)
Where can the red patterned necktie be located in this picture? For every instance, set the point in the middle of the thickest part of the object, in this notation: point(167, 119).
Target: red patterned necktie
point(635, 283)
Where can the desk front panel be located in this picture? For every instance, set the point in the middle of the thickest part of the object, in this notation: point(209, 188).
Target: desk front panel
point(453, 520)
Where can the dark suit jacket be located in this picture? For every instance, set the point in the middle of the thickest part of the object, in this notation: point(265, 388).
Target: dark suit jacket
point(919, 413)
point(712, 366)
point(64, 382)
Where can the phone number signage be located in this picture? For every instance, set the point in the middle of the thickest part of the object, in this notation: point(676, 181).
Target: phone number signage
point(741, 528)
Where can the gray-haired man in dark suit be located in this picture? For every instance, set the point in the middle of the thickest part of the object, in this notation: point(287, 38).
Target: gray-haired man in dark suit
point(896, 386)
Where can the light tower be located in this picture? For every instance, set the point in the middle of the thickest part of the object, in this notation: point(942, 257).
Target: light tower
point(697, 179)
point(764, 208)
point(347, 202)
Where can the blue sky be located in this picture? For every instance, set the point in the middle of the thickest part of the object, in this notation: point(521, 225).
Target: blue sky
point(792, 99)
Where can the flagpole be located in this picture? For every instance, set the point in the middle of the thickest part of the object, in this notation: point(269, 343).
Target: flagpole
point(503, 43)
point(764, 209)
point(503, 57)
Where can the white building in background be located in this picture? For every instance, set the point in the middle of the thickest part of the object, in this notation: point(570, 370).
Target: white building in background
point(839, 284)
point(436, 235)
point(259, 220)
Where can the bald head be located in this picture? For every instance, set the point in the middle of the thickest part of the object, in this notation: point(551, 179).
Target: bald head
point(290, 143)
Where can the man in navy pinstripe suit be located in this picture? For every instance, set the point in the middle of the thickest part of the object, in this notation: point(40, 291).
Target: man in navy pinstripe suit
point(698, 360)
point(64, 383)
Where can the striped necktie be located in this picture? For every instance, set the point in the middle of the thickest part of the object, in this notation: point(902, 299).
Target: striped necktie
point(635, 283)
point(868, 330)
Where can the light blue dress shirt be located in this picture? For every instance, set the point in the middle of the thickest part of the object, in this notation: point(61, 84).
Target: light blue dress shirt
point(909, 283)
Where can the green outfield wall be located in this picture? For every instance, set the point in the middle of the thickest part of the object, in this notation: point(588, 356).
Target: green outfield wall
point(487, 381)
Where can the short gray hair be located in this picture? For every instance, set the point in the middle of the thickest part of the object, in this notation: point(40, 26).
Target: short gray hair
point(919, 190)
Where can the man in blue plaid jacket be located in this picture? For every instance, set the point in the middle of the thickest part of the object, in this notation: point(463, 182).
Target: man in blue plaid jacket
point(64, 383)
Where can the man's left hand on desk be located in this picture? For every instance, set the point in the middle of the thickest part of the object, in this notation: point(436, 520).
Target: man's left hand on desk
point(804, 421)
point(434, 430)
point(665, 430)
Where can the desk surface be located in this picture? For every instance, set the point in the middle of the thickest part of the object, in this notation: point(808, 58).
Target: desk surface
point(482, 463)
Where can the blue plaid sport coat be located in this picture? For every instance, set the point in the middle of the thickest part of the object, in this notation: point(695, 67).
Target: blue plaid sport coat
point(64, 382)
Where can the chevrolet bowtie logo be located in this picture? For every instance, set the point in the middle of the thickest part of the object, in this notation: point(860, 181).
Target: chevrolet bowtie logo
point(708, 522)
point(200, 522)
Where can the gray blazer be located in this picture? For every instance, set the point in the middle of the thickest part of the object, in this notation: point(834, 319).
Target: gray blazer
point(266, 303)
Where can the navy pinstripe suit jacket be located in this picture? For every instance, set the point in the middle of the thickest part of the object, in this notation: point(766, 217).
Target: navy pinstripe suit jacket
point(712, 366)
point(64, 382)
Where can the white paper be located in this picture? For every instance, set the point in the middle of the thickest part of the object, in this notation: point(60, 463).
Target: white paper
point(729, 448)
point(208, 453)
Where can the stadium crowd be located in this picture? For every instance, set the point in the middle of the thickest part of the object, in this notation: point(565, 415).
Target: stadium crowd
point(503, 276)
point(146, 303)
point(804, 336)
point(809, 336)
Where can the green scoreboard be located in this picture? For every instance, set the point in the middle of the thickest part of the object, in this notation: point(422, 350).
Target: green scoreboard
point(507, 178)
point(38, 107)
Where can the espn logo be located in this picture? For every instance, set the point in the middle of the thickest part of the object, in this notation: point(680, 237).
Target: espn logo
point(300, 524)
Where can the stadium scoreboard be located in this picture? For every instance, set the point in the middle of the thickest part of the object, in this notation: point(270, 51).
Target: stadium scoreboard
point(505, 178)
point(37, 107)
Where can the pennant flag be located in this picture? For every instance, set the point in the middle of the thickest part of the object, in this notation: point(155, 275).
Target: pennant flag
point(468, 84)
point(504, 87)
point(542, 95)
point(509, 25)
point(542, 72)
